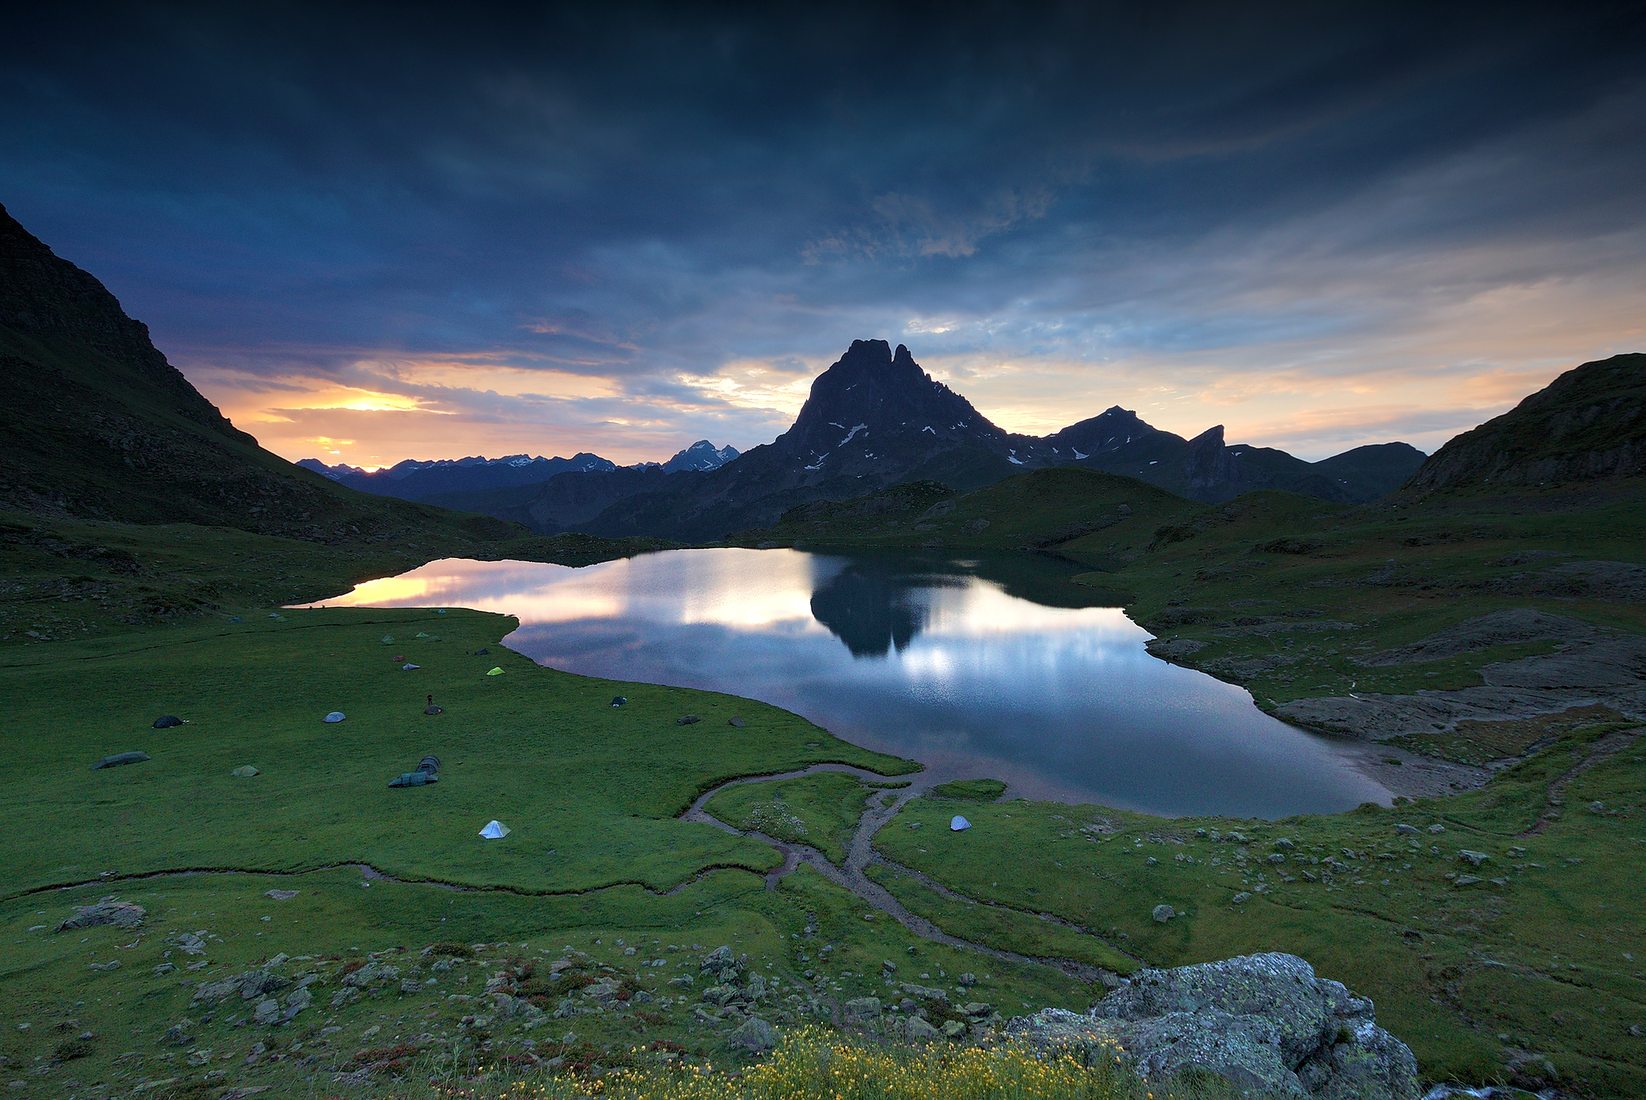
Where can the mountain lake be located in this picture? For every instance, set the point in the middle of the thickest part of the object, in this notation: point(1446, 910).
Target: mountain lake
point(985, 667)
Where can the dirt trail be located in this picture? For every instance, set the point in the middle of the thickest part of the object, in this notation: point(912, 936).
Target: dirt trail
point(882, 806)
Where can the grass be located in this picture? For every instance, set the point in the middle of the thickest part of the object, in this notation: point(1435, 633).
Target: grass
point(1551, 961)
point(1285, 594)
point(816, 1062)
point(821, 810)
point(1281, 593)
point(969, 790)
point(596, 860)
point(533, 747)
point(71, 578)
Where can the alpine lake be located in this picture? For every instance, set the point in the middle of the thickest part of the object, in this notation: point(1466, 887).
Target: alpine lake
point(975, 667)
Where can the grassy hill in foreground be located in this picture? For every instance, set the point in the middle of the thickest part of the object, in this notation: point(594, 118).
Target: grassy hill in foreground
point(1519, 967)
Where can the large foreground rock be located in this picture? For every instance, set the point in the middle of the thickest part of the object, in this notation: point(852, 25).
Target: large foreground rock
point(1264, 1023)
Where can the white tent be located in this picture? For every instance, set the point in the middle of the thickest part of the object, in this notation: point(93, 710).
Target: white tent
point(495, 830)
point(334, 716)
point(958, 823)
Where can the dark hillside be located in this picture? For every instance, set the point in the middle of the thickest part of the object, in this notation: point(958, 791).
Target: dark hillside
point(1588, 424)
point(99, 426)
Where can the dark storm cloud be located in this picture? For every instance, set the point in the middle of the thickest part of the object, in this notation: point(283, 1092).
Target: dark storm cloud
point(655, 195)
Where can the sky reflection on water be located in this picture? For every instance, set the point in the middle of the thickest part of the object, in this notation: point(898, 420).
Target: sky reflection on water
point(970, 667)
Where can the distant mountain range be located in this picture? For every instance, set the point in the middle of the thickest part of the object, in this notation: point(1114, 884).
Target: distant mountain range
point(876, 419)
point(99, 426)
point(462, 478)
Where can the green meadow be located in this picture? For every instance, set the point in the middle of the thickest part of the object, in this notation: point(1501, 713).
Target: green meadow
point(1525, 967)
point(596, 861)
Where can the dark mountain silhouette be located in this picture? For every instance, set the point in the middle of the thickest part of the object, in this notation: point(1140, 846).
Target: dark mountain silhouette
point(416, 479)
point(875, 419)
point(1588, 424)
point(463, 482)
point(98, 425)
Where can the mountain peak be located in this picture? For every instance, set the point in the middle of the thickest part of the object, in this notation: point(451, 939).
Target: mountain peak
point(874, 390)
point(701, 455)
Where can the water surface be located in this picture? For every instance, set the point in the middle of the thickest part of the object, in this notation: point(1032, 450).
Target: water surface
point(978, 667)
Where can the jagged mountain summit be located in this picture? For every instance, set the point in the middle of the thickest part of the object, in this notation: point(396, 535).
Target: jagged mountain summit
point(701, 456)
point(876, 419)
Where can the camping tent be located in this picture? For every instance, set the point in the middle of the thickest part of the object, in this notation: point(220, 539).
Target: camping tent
point(495, 672)
point(958, 824)
point(495, 830)
point(334, 716)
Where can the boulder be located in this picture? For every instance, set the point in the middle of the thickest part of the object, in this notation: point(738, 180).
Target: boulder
point(754, 1036)
point(920, 1031)
point(861, 1010)
point(110, 910)
point(1163, 913)
point(1265, 1024)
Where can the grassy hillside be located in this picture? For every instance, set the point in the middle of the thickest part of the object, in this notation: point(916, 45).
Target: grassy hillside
point(1285, 594)
point(597, 871)
point(1531, 965)
point(1037, 510)
point(1588, 424)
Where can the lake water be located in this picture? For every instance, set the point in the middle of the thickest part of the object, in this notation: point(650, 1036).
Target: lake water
point(976, 668)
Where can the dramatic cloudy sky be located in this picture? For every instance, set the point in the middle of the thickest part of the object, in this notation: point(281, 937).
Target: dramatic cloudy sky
point(384, 234)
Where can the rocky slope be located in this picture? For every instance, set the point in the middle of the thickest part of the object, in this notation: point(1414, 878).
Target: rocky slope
point(1589, 423)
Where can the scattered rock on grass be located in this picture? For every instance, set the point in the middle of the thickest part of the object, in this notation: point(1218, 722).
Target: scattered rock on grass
point(119, 759)
point(861, 1010)
point(110, 910)
point(1163, 913)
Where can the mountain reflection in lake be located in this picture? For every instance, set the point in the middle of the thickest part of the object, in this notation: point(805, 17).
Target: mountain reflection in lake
point(978, 667)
